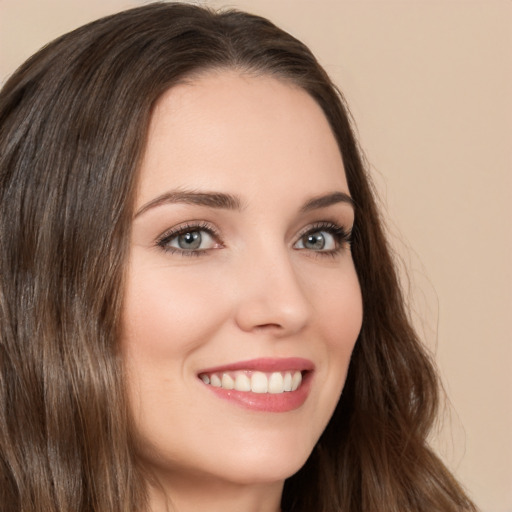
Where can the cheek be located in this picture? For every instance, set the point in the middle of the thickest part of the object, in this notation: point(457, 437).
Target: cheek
point(345, 317)
point(339, 311)
point(170, 316)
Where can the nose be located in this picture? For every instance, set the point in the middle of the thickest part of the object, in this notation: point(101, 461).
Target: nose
point(271, 295)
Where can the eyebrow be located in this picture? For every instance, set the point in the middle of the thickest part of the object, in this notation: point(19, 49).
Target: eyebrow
point(327, 200)
point(224, 201)
point(208, 199)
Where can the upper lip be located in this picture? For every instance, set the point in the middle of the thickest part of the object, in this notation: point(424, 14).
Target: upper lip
point(265, 364)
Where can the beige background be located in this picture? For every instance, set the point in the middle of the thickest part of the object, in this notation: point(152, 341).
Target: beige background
point(430, 87)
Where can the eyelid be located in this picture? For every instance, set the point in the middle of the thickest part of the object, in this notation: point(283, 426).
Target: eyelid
point(326, 225)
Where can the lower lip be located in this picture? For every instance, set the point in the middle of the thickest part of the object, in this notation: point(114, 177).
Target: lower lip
point(267, 402)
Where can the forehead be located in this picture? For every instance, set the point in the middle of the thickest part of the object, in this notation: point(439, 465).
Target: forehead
point(236, 131)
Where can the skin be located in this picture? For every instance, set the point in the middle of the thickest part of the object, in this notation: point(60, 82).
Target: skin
point(253, 290)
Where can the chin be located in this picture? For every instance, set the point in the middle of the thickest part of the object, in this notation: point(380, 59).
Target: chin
point(267, 469)
point(261, 462)
point(254, 460)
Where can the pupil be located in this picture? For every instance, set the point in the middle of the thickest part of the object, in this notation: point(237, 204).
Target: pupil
point(190, 240)
point(316, 241)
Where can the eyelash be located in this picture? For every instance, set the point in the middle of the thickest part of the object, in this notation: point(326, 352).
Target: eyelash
point(341, 235)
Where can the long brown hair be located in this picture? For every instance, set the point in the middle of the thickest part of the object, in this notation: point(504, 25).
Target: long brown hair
point(73, 124)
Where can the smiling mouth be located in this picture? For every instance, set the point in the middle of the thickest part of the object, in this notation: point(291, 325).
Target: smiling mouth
point(254, 381)
point(265, 384)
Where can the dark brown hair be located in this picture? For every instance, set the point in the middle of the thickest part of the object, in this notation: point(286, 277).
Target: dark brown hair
point(73, 124)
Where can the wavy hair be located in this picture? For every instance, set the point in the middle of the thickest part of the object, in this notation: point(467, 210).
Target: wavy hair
point(73, 125)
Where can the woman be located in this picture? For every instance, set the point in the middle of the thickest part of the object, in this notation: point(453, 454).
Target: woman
point(191, 257)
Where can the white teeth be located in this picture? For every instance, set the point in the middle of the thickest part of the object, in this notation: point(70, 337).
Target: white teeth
point(215, 381)
point(276, 383)
point(297, 379)
point(242, 382)
point(227, 381)
point(287, 381)
point(257, 382)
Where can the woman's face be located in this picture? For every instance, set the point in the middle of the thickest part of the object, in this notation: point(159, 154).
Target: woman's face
point(240, 282)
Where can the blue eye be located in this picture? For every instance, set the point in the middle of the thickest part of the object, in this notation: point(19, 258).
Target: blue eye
point(189, 240)
point(325, 237)
point(317, 241)
point(192, 240)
